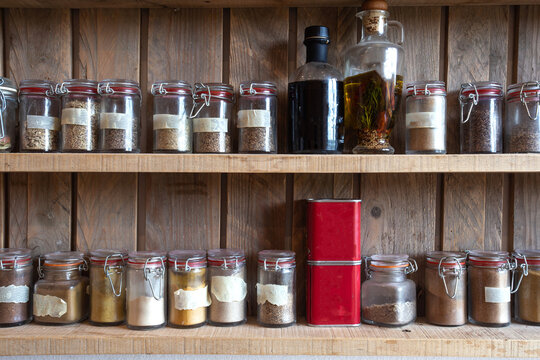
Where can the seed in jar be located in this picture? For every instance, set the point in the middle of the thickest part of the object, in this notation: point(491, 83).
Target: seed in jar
point(172, 140)
point(257, 139)
point(40, 139)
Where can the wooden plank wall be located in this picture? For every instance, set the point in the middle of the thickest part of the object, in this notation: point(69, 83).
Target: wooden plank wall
point(400, 213)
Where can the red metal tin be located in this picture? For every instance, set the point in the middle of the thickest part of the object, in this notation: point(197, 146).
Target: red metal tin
point(333, 229)
point(333, 293)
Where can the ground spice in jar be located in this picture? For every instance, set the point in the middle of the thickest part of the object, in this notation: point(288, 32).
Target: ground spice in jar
point(256, 139)
point(523, 140)
point(529, 297)
point(15, 287)
point(77, 134)
point(277, 314)
point(212, 142)
point(146, 311)
point(390, 314)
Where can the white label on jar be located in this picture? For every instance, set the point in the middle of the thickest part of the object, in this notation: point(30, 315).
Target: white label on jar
point(75, 116)
point(191, 299)
point(47, 305)
point(497, 294)
point(14, 294)
point(168, 121)
point(201, 125)
point(115, 121)
point(254, 118)
point(42, 122)
point(229, 288)
point(275, 294)
point(424, 120)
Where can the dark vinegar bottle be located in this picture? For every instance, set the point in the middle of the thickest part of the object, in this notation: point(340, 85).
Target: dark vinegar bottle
point(316, 100)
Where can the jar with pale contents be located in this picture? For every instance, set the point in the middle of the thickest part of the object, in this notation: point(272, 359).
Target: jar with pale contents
point(107, 287)
point(61, 294)
point(188, 289)
point(527, 301)
point(446, 288)
point(16, 279)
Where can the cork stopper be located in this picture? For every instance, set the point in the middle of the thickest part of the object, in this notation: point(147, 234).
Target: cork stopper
point(375, 5)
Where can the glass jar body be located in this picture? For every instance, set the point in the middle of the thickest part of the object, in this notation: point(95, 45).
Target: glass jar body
point(39, 121)
point(441, 309)
point(146, 303)
point(15, 292)
point(173, 130)
point(256, 122)
point(211, 127)
point(527, 301)
point(489, 296)
point(80, 122)
point(9, 117)
point(188, 297)
point(228, 292)
point(426, 124)
point(119, 123)
point(482, 132)
point(388, 299)
point(276, 296)
point(107, 294)
point(521, 133)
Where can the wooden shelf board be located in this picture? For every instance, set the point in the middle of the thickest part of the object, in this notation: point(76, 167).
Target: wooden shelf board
point(419, 339)
point(241, 163)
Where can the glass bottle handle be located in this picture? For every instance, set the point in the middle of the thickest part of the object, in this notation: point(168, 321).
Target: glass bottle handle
point(400, 28)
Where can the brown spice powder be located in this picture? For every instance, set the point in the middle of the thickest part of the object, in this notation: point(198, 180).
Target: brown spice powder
point(481, 311)
point(394, 314)
point(440, 308)
point(270, 314)
point(528, 298)
point(16, 313)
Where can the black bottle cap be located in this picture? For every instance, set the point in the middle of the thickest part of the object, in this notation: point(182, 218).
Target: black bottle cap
point(318, 34)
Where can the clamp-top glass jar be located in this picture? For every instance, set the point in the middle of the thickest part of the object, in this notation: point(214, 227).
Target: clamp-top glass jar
point(107, 287)
point(527, 301)
point(388, 297)
point(188, 289)
point(426, 117)
point(172, 125)
point(212, 118)
point(16, 279)
point(80, 115)
point(146, 286)
point(276, 288)
point(481, 117)
point(256, 121)
point(8, 114)
point(446, 288)
point(120, 115)
point(522, 126)
point(39, 116)
point(61, 294)
point(228, 287)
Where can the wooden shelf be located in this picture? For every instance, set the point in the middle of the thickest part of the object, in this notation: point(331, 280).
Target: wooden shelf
point(240, 163)
point(419, 340)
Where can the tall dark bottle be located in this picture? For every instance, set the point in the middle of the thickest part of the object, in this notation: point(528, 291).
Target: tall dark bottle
point(316, 99)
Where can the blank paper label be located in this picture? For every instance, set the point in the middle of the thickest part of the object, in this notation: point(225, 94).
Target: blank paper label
point(229, 288)
point(424, 120)
point(168, 121)
point(254, 118)
point(75, 116)
point(115, 121)
point(46, 305)
point(497, 295)
point(14, 294)
point(191, 299)
point(42, 122)
point(275, 294)
point(201, 125)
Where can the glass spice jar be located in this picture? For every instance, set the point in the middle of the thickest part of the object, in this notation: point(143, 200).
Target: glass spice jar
point(522, 125)
point(107, 287)
point(490, 286)
point(446, 288)
point(173, 102)
point(481, 117)
point(388, 297)
point(146, 286)
point(426, 117)
point(120, 115)
point(527, 300)
point(80, 115)
point(212, 118)
point(61, 294)
point(276, 288)
point(39, 115)
point(228, 287)
point(16, 279)
point(8, 114)
point(188, 289)
point(256, 120)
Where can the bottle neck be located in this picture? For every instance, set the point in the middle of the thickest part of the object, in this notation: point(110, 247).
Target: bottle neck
point(316, 52)
point(374, 26)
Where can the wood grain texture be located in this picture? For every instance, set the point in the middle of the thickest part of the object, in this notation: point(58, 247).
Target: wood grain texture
point(3, 210)
point(109, 43)
point(43, 219)
point(528, 50)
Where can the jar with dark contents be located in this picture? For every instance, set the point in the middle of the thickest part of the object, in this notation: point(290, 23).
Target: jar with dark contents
point(39, 116)
point(80, 115)
point(172, 125)
point(107, 287)
point(212, 118)
point(256, 120)
point(490, 288)
point(228, 287)
point(188, 289)
point(446, 288)
point(16, 279)
point(527, 300)
point(388, 297)
point(276, 288)
point(120, 115)
point(522, 125)
point(481, 117)
point(61, 293)
point(8, 114)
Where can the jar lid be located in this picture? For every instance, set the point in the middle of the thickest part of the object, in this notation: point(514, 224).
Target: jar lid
point(227, 258)
point(120, 86)
point(187, 259)
point(481, 89)
point(79, 86)
point(382, 261)
point(446, 258)
point(147, 258)
point(15, 257)
point(213, 91)
point(531, 257)
point(165, 87)
point(43, 87)
point(524, 91)
point(7, 86)
point(426, 88)
point(489, 258)
point(109, 256)
point(254, 88)
point(63, 258)
point(276, 259)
